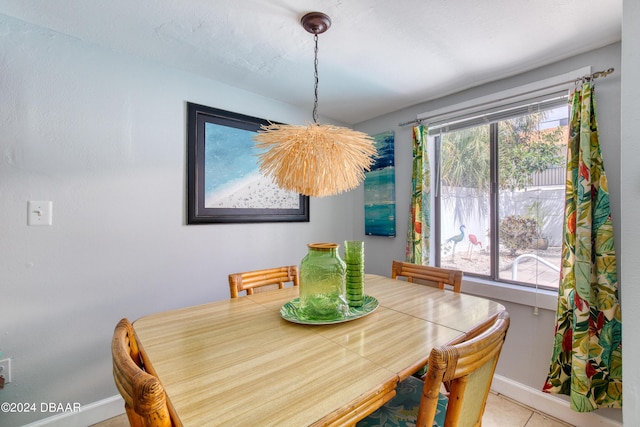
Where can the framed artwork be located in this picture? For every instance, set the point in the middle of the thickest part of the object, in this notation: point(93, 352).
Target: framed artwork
point(224, 184)
point(379, 189)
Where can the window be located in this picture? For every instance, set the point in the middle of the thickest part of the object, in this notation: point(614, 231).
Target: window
point(499, 197)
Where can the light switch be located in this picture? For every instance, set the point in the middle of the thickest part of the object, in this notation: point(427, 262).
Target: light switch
point(39, 213)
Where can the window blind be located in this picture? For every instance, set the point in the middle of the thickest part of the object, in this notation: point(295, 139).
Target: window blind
point(496, 114)
point(525, 99)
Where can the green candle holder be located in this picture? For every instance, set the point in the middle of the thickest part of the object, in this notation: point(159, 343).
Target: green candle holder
point(354, 257)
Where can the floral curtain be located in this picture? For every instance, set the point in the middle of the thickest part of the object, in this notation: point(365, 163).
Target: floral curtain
point(587, 355)
point(419, 227)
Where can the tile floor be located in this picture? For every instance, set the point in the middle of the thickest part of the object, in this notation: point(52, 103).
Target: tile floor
point(504, 412)
point(500, 412)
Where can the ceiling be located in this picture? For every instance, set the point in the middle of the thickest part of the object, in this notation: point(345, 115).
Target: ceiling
point(378, 56)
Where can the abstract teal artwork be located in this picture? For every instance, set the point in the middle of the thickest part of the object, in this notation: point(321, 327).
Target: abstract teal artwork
point(379, 189)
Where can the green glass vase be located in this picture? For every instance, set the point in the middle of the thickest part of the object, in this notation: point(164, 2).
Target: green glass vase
point(323, 293)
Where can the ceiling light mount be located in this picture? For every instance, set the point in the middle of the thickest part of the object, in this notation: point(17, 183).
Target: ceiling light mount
point(315, 22)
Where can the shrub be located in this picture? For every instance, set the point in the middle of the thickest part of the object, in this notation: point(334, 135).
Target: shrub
point(517, 232)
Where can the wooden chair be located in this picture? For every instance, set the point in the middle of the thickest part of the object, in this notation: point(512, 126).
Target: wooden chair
point(468, 365)
point(260, 280)
point(145, 401)
point(426, 275)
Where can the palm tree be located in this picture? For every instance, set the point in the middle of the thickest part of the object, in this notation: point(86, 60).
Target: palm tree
point(465, 165)
point(465, 158)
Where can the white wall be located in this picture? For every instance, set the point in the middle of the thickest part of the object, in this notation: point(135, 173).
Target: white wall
point(525, 359)
point(103, 136)
point(630, 188)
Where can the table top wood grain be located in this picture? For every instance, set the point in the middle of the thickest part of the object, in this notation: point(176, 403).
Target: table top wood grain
point(238, 362)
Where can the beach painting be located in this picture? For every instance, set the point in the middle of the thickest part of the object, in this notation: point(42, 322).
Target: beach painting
point(231, 175)
point(379, 189)
point(224, 181)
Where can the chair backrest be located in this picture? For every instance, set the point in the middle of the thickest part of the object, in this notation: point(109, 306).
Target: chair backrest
point(468, 366)
point(271, 278)
point(145, 401)
point(427, 275)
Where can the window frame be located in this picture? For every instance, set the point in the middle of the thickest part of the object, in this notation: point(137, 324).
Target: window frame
point(490, 118)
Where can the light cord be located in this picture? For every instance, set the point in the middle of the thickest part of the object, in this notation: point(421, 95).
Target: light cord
point(315, 90)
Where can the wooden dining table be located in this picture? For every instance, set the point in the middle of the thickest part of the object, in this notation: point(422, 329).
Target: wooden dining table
point(238, 362)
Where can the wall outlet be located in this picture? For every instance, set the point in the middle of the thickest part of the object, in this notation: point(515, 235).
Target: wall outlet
point(5, 370)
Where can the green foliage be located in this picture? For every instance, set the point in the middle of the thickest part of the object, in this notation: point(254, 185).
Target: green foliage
point(466, 157)
point(517, 232)
point(523, 149)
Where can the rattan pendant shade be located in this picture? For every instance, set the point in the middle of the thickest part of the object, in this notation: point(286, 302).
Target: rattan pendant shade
point(314, 160)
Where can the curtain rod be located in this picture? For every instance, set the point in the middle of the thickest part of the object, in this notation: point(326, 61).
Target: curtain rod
point(587, 77)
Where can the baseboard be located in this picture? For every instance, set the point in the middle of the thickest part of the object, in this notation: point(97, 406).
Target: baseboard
point(89, 414)
point(549, 404)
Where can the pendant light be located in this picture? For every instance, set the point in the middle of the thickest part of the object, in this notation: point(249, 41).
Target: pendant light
point(314, 160)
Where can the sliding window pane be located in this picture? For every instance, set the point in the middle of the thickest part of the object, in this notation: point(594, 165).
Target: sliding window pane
point(531, 163)
point(465, 200)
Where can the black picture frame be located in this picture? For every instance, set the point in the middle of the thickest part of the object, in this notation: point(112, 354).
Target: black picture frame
point(212, 158)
